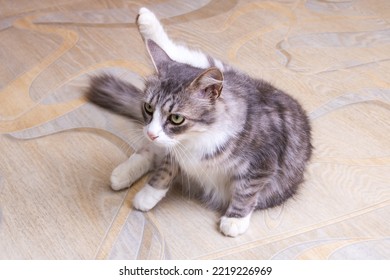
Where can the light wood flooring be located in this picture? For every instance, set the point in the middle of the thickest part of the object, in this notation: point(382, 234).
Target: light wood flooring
point(57, 151)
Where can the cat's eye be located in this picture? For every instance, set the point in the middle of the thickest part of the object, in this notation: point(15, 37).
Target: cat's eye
point(176, 119)
point(148, 108)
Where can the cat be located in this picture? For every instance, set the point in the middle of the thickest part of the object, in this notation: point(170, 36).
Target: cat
point(243, 143)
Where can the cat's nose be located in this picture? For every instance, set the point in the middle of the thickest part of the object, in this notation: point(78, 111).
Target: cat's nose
point(151, 136)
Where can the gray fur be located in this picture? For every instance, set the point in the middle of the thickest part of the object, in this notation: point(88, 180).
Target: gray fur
point(265, 157)
point(116, 95)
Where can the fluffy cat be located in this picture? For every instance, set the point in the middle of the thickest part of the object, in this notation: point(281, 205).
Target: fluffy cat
point(243, 143)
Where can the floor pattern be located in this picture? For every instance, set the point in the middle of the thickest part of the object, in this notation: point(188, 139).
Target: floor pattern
point(57, 150)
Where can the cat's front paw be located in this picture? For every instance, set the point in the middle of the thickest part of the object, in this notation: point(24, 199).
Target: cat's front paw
point(234, 226)
point(148, 24)
point(129, 171)
point(120, 177)
point(148, 197)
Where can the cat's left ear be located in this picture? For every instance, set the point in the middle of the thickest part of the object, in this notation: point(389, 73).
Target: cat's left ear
point(209, 83)
point(158, 55)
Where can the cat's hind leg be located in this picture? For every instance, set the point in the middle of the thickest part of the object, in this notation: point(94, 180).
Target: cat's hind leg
point(151, 29)
point(125, 174)
point(236, 219)
point(234, 226)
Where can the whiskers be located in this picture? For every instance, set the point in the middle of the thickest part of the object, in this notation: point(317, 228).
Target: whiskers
point(134, 138)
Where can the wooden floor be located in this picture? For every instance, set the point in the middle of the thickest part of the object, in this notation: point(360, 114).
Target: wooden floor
point(57, 151)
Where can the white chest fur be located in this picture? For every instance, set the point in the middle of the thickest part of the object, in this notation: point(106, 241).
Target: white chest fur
point(211, 177)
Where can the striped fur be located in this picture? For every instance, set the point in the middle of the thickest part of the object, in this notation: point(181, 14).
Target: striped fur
point(242, 141)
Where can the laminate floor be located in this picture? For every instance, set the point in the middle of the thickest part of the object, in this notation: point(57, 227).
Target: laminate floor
point(57, 150)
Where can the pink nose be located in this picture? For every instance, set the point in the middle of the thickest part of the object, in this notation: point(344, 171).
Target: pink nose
point(151, 136)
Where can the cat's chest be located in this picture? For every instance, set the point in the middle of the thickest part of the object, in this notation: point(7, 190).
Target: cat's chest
point(207, 173)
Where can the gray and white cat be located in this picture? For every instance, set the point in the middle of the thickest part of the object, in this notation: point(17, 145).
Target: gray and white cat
point(243, 143)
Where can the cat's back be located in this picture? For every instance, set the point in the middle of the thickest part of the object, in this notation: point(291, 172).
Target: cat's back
point(262, 99)
point(274, 121)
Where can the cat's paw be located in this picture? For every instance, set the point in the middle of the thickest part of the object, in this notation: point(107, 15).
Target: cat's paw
point(148, 197)
point(129, 171)
point(120, 177)
point(148, 24)
point(234, 226)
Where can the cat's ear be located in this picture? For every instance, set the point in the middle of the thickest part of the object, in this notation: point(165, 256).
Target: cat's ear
point(209, 83)
point(158, 55)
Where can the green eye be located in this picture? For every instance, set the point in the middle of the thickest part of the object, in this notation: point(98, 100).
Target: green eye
point(148, 108)
point(176, 119)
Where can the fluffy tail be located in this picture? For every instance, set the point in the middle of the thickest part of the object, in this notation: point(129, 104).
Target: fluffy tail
point(116, 95)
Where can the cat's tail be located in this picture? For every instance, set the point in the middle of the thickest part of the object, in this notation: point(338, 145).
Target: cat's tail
point(116, 95)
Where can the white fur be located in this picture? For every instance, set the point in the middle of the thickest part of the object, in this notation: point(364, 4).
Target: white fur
point(155, 128)
point(148, 197)
point(130, 171)
point(234, 226)
point(212, 177)
point(150, 28)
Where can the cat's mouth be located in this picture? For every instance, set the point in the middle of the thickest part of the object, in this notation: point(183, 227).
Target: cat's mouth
point(159, 140)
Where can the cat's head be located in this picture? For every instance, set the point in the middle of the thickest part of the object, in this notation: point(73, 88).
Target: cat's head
point(180, 100)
